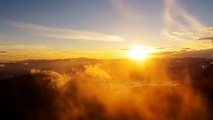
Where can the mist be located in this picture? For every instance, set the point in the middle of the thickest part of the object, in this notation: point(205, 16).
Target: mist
point(89, 89)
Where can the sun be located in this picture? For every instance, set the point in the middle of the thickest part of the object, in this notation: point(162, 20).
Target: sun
point(138, 53)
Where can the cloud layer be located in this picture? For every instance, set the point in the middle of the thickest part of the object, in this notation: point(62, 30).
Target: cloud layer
point(88, 89)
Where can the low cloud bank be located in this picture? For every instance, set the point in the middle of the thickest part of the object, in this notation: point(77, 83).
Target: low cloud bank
point(109, 90)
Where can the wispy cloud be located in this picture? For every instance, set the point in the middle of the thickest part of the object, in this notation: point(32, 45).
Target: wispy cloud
point(210, 30)
point(62, 33)
point(207, 39)
point(185, 49)
point(125, 49)
point(125, 10)
point(180, 23)
point(21, 47)
point(20, 52)
point(209, 36)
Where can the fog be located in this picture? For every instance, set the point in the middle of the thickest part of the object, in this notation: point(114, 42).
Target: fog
point(84, 89)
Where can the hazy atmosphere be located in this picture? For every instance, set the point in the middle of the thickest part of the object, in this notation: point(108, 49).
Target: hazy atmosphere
point(51, 29)
point(106, 60)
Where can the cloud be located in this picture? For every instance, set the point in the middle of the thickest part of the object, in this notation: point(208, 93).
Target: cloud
point(21, 47)
point(97, 72)
point(125, 10)
point(185, 48)
point(180, 23)
point(164, 53)
point(62, 33)
point(161, 48)
point(207, 39)
point(205, 53)
point(3, 51)
point(125, 49)
point(108, 90)
point(58, 79)
point(23, 51)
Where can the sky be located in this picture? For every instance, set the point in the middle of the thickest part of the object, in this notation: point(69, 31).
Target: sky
point(49, 29)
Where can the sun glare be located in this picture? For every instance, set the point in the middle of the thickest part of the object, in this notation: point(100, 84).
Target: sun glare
point(138, 53)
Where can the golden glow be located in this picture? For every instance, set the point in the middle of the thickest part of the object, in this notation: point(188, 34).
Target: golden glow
point(138, 53)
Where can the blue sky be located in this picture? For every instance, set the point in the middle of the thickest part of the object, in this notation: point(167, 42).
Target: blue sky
point(104, 25)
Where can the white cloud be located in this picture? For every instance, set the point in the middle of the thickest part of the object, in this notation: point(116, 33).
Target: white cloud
point(62, 33)
point(125, 10)
point(180, 23)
